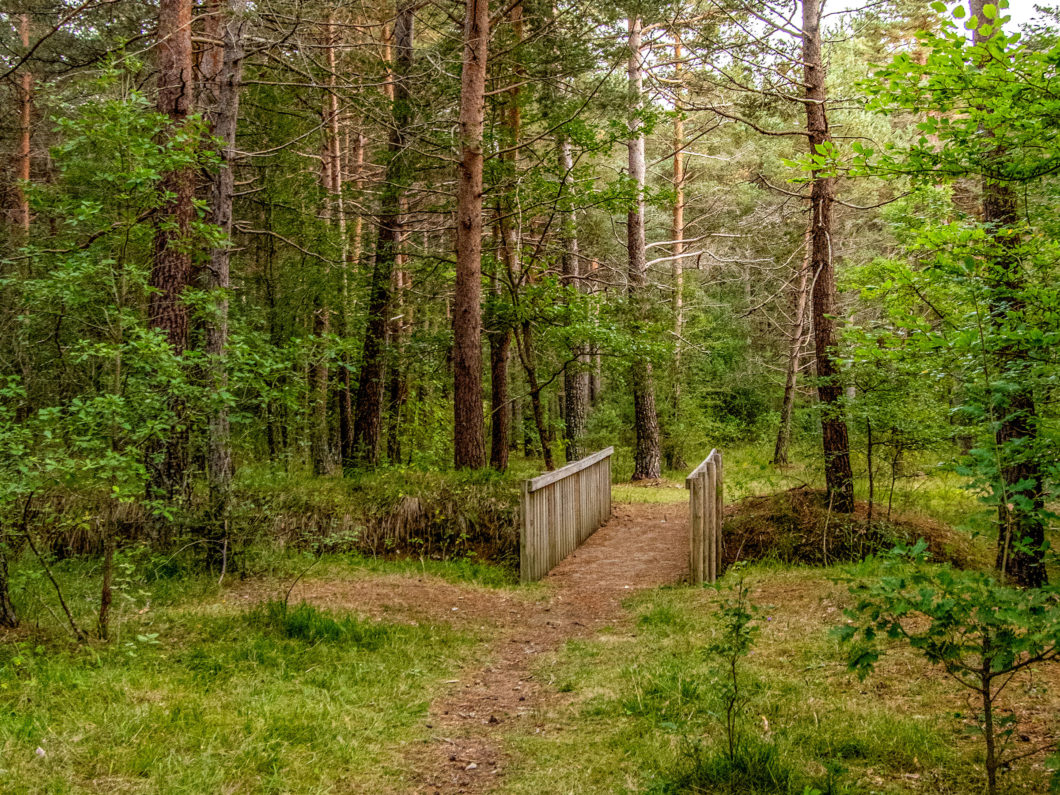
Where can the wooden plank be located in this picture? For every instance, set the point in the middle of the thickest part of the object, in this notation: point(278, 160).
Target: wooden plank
point(701, 468)
point(575, 466)
point(560, 510)
point(525, 535)
point(711, 565)
point(719, 505)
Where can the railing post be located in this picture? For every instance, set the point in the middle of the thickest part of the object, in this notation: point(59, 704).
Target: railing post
point(706, 502)
point(525, 519)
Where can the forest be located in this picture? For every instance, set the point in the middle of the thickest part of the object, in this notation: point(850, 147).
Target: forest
point(300, 302)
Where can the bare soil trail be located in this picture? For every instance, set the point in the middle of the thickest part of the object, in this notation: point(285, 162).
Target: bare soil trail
point(641, 546)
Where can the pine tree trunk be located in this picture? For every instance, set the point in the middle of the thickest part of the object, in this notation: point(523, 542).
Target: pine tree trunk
point(368, 416)
point(798, 341)
point(576, 375)
point(675, 459)
point(25, 102)
point(222, 69)
point(838, 475)
point(647, 463)
point(171, 266)
point(468, 422)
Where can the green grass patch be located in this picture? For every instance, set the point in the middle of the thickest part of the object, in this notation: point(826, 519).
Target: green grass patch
point(645, 710)
point(277, 699)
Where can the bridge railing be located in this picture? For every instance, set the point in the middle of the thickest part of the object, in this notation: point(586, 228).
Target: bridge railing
point(706, 501)
point(561, 509)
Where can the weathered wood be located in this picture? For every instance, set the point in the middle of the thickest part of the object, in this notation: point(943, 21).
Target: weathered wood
point(565, 471)
point(560, 510)
point(706, 503)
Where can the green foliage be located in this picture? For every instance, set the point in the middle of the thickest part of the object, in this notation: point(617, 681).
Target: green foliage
point(977, 631)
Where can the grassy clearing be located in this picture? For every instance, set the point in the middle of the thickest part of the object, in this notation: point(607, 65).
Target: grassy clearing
point(645, 711)
point(207, 699)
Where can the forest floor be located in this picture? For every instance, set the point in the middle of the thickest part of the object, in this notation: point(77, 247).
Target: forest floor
point(642, 546)
point(429, 677)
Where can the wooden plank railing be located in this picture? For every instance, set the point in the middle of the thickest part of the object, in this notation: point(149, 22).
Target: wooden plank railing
point(560, 510)
point(706, 500)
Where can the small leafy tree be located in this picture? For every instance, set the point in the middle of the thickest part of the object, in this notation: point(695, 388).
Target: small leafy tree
point(738, 633)
point(981, 633)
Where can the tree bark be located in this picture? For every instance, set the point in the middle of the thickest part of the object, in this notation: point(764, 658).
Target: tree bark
point(527, 356)
point(647, 463)
point(1021, 529)
point(675, 459)
point(171, 266)
point(576, 375)
point(25, 101)
point(222, 69)
point(368, 416)
point(838, 475)
point(8, 616)
point(346, 387)
point(798, 342)
point(468, 421)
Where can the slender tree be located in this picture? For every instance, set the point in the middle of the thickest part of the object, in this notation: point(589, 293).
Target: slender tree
point(368, 417)
point(468, 422)
point(1021, 529)
point(25, 103)
point(576, 374)
point(222, 70)
point(796, 343)
point(171, 266)
point(838, 475)
point(647, 462)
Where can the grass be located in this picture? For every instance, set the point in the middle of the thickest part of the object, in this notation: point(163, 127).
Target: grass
point(278, 699)
point(195, 695)
point(644, 711)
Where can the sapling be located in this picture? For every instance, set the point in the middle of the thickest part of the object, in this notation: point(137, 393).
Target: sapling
point(980, 632)
point(738, 632)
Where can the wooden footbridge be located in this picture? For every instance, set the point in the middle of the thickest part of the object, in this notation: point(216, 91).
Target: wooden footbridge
point(561, 509)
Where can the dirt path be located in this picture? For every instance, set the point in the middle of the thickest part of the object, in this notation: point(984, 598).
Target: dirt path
point(642, 546)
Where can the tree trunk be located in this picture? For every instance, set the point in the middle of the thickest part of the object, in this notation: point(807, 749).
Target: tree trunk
point(525, 344)
point(500, 342)
point(222, 69)
point(468, 422)
point(498, 326)
point(675, 459)
point(798, 341)
point(171, 266)
point(368, 416)
point(576, 375)
point(838, 475)
point(346, 389)
point(398, 386)
point(647, 462)
point(1021, 529)
point(25, 101)
point(8, 616)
